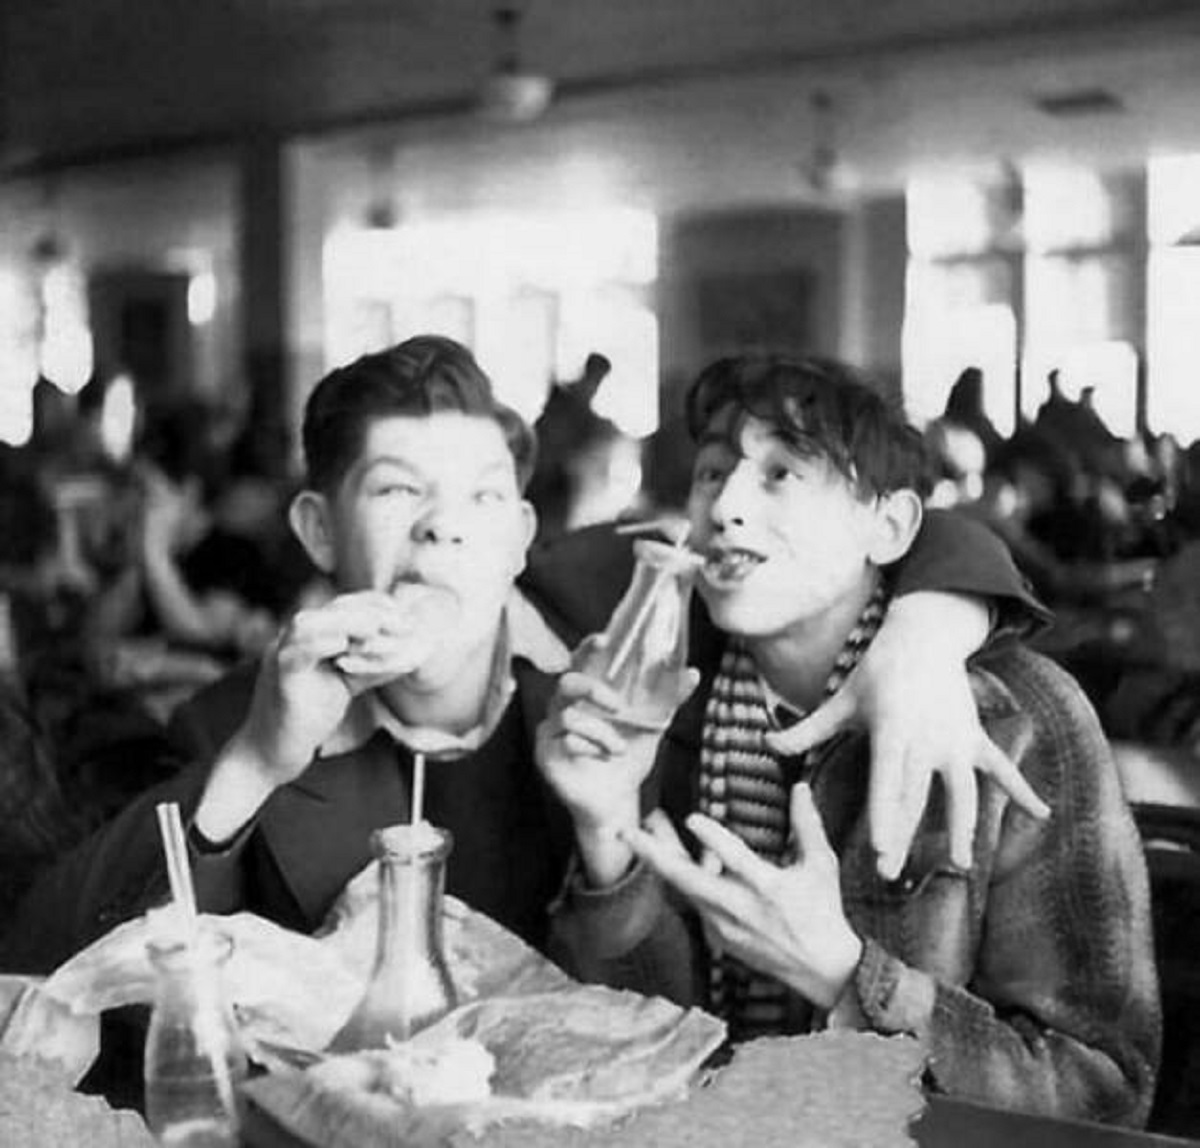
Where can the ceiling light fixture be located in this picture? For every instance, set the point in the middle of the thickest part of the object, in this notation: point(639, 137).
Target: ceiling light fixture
point(511, 94)
point(825, 171)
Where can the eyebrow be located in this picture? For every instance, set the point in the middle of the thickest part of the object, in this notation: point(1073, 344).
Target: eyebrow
point(369, 465)
point(495, 466)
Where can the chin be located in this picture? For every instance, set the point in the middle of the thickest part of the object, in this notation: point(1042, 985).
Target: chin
point(750, 617)
point(740, 619)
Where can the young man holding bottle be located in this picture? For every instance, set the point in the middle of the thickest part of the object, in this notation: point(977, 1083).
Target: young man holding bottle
point(1025, 968)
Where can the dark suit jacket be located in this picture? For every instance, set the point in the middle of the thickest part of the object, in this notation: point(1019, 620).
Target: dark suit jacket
point(289, 866)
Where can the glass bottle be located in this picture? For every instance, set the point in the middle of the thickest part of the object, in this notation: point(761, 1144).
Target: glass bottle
point(410, 986)
point(194, 1060)
point(645, 644)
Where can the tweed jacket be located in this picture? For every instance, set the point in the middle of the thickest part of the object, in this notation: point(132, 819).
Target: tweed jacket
point(1031, 979)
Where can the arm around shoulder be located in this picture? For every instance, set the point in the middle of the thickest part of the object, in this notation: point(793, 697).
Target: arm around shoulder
point(957, 555)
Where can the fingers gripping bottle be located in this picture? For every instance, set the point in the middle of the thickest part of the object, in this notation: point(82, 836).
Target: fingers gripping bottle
point(642, 654)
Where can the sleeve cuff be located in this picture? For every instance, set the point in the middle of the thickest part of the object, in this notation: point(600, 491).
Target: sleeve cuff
point(611, 922)
point(886, 995)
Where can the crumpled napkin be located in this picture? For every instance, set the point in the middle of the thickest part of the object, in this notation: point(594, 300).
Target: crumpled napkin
point(38, 1109)
point(290, 992)
point(285, 988)
point(36, 1025)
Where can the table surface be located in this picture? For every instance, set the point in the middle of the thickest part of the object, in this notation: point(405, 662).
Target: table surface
point(945, 1123)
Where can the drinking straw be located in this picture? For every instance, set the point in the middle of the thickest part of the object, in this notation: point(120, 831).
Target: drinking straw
point(418, 795)
point(671, 525)
point(183, 894)
point(408, 891)
point(179, 873)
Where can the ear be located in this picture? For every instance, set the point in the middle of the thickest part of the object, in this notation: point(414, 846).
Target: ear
point(529, 525)
point(309, 518)
point(897, 519)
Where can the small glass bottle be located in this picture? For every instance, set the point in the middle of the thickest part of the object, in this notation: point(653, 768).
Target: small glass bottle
point(410, 986)
point(194, 1060)
point(644, 649)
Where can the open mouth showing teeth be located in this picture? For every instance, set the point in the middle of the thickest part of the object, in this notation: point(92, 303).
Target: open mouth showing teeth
point(731, 565)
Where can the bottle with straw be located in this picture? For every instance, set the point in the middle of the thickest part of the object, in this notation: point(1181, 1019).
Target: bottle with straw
point(644, 648)
point(193, 1059)
point(410, 986)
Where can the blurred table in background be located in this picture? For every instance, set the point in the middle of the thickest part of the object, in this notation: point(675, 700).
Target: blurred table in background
point(1158, 775)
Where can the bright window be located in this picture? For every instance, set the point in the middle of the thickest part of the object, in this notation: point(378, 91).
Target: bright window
point(1066, 207)
point(19, 356)
point(1173, 296)
point(1173, 341)
point(532, 295)
point(1077, 320)
point(948, 215)
point(959, 316)
point(1173, 199)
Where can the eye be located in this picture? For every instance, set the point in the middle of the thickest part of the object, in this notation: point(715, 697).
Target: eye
point(398, 489)
point(778, 472)
point(489, 496)
point(708, 473)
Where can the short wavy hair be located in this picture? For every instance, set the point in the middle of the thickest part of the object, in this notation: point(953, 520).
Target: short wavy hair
point(822, 409)
point(416, 378)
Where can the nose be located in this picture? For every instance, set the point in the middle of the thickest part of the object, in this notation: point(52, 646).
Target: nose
point(440, 522)
point(729, 506)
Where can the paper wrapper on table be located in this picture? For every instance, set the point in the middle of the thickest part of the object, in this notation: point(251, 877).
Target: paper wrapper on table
point(579, 1057)
point(39, 1109)
point(290, 992)
point(35, 1024)
point(859, 1090)
point(485, 958)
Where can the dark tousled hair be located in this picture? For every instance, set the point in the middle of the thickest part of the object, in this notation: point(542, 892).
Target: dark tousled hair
point(422, 375)
point(823, 409)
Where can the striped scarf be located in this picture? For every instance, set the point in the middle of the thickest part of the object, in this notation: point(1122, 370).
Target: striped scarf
point(744, 786)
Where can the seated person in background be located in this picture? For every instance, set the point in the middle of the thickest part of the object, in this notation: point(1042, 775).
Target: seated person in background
point(215, 617)
point(205, 572)
point(415, 478)
point(1028, 971)
point(566, 425)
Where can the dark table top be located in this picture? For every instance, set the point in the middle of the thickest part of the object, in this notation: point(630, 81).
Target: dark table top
point(959, 1124)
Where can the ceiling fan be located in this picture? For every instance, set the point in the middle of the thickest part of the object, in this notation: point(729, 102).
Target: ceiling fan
point(512, 94)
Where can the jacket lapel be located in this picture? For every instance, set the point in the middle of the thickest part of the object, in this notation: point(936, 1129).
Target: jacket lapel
point(318, 827)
